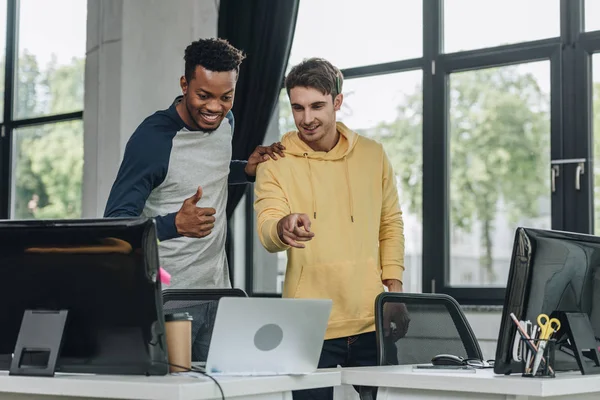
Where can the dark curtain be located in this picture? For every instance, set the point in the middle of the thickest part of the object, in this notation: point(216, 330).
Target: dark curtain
point(264, 30)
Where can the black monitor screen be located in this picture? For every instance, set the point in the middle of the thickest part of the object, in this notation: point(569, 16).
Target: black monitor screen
point(550, 271)
point(104, 273)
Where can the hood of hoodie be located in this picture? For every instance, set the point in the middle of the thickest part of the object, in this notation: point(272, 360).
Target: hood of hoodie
point(296, 147)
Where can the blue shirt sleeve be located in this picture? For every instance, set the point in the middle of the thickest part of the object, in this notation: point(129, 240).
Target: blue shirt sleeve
point(144, 167)
point(237, 173)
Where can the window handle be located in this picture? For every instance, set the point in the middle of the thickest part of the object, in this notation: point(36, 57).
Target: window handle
point(555, 174)
point(580, 170)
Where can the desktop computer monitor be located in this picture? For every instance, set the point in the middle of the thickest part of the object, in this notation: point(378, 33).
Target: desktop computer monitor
point(550, 271)
point(104, 274)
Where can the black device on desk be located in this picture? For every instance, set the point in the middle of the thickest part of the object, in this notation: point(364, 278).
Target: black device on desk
point(447, 359)
point(84, 294)
point(550, 272)
point(447, 362)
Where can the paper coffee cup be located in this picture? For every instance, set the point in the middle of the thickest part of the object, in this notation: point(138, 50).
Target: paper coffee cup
point(179, 341)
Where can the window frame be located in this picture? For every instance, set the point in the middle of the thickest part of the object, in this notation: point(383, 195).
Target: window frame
point(569, 56)
point(584, 45)
point(436, 136)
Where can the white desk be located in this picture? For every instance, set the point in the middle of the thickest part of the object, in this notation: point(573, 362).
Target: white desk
point(74, 387)
point(402, 382)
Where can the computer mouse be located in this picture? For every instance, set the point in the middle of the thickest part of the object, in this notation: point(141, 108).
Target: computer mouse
point(447, 359)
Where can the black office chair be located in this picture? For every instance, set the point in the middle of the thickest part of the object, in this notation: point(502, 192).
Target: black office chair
point(437, 326)
point(176, 297)
point(202, 305)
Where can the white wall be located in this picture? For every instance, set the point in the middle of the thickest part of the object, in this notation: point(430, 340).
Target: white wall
point(134, 62)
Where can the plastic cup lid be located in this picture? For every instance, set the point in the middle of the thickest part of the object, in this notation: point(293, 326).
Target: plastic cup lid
point(178, 317)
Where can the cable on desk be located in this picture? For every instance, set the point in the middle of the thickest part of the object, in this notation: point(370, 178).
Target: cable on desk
point(200, 372)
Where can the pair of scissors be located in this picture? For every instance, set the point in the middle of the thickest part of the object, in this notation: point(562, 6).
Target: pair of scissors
point(547, 328)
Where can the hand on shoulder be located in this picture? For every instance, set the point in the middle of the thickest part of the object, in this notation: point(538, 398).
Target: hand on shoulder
point(262, 154)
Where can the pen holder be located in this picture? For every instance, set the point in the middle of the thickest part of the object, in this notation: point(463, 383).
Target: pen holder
point(539, 363)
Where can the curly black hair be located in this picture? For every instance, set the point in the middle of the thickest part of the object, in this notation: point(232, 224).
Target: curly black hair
point(213, 54)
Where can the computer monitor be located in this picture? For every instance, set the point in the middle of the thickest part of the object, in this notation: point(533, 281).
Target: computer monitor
point(550, 271)
point(104, 273)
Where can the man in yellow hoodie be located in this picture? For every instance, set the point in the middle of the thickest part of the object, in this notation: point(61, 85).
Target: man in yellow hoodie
point(332, 204)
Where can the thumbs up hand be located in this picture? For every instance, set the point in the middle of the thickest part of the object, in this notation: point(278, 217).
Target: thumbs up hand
point(193, 221)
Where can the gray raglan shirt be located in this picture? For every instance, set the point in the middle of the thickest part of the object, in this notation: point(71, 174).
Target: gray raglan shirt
point(164, 163)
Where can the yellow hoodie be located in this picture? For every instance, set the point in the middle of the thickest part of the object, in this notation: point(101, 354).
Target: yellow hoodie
point(350, 195)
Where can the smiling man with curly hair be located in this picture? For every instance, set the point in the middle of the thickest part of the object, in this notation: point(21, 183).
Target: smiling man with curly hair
point(177, 166)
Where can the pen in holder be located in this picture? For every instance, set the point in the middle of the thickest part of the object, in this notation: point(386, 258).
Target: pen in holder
point(539, 360)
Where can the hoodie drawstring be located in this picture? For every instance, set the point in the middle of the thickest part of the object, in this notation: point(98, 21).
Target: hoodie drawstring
point(350, 200)
point(312, 187)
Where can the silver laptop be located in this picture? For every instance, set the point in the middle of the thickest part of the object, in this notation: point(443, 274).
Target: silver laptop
point(267, 336)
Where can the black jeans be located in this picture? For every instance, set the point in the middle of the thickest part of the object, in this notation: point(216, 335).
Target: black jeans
point(353, 351)
point(204, 314)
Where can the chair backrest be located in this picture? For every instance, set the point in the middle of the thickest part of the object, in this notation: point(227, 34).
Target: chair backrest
point(202, 305)
point(180, 298)
point(437, 326)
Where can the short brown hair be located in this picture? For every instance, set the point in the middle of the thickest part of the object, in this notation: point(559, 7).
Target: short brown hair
point(316, 73)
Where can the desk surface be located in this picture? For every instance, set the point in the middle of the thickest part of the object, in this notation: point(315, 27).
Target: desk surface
point(162, 387)
point(482, 381)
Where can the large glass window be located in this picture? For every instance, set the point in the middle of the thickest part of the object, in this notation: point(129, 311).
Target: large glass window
point(2, 54)
point(350, 34)
point(475, 24)
point(596, 135)
point(472, 147)
point(51, 57)
point(47, 171)
point(592, 15)
point(499, 127)
point(41, 151)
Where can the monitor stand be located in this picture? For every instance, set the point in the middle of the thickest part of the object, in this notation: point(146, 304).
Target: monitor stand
point(39, 343)
point(579, 331)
